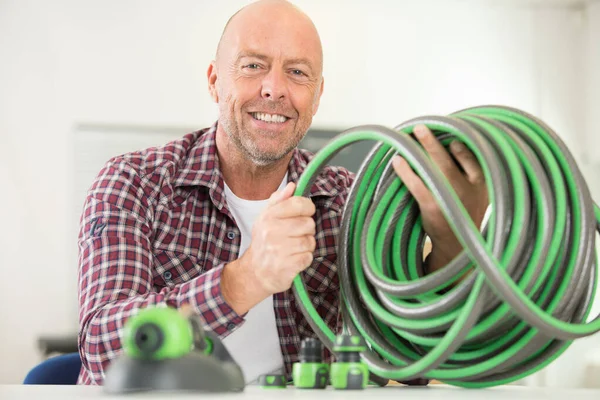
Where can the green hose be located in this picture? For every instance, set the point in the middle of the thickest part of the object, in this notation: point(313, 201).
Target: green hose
point(534, 263)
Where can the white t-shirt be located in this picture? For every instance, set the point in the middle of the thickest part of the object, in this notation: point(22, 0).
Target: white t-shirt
point(254, 345)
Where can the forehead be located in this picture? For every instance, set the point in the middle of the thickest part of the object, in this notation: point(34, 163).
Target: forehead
point(279, 39)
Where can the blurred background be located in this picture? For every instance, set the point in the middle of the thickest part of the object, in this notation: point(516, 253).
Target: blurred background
point(81, 81)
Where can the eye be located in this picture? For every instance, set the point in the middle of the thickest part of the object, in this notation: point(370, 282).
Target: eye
point(298, 72)
point(252, 66)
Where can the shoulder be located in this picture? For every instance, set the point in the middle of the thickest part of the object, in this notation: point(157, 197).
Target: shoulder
point(164, 159)
point(145, 172)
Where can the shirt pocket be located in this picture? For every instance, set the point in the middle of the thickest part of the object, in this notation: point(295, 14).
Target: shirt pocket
point(172, 268)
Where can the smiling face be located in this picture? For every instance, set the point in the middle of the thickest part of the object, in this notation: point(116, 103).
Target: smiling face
point(267, 79)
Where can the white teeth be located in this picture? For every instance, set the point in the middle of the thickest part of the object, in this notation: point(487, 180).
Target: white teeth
point(276, 118)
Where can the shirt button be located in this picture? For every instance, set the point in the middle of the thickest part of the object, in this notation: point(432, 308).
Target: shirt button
point(168, 275)
point(231, 327)
point(230, 235)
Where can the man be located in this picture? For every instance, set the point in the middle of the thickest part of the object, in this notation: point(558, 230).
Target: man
point(209, 221)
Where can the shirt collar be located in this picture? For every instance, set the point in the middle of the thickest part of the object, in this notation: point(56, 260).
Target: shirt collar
point(323, 185)
point(201, 168)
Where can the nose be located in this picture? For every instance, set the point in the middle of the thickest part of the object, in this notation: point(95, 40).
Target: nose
point(274, 85)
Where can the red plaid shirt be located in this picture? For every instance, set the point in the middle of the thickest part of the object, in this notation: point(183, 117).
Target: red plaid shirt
point(156, 230)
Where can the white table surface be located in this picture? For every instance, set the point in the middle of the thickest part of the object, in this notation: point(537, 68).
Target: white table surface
point(441, 392)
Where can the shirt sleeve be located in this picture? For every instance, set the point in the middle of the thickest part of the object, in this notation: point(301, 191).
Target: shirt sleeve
point(115, 268)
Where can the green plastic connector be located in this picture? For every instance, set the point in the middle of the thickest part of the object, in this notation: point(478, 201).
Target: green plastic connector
point(310, 375)
point(349, 375)
point(310, 372)
point(272, 381)
point(349, 372)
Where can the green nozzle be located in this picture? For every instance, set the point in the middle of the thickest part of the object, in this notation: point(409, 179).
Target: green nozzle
point(157, 333)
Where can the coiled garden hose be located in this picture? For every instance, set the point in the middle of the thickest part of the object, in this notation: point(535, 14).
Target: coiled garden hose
point(533, 264)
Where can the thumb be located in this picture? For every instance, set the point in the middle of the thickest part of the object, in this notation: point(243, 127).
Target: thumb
point(283, 194)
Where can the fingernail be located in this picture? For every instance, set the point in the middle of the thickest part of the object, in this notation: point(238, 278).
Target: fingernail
point(420, 131)
point(457, 146)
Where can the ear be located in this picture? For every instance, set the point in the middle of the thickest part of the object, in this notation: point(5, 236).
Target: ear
point(211, 75)
point(318, 99)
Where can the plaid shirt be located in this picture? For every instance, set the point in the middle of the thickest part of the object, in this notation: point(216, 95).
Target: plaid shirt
point(156, 229)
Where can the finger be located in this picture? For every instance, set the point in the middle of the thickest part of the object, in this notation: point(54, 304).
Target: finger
point(302, 244)
point(295, 206)
point(437, 152)
point(467, 161)
point(297, 226)
point(412, 181)
point(283, 194)
point(299, 262)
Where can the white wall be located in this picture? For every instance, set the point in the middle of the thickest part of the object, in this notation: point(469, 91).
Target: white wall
point(69, 62)
point(591, 92)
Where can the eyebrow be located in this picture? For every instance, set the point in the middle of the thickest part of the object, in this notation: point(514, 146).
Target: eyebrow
point(304, 61)
point(253, 54)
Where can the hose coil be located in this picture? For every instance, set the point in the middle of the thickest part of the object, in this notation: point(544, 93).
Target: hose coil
point(533, 263)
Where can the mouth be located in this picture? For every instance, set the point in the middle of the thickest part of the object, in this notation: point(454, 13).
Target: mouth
point(269, 118)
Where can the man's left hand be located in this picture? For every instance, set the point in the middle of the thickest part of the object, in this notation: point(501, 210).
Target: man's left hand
point(469, 186)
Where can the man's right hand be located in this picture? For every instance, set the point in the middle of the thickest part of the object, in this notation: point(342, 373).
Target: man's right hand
point(282, 245)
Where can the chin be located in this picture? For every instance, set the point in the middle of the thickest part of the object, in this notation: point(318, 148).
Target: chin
point(264, 158)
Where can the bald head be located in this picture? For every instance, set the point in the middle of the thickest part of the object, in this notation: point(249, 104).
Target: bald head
point(270, 17)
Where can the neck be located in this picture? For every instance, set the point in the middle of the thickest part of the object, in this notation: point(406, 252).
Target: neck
point(246, 179)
